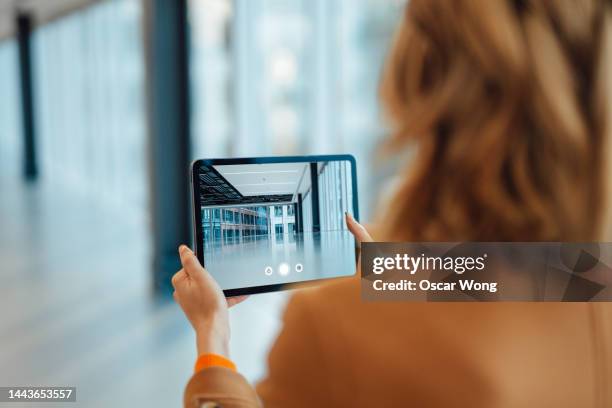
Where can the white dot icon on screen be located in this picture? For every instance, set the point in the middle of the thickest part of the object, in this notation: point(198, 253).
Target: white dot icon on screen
point(283, 269)
point(299, 267)
point(268, 271)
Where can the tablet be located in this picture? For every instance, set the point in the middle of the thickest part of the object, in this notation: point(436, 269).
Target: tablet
point(262, 224)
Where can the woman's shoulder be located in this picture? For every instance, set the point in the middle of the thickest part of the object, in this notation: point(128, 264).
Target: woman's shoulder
point(333, 294)
point(341, 300)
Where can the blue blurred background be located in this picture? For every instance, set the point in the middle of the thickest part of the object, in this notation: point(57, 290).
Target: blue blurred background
point(80, 237)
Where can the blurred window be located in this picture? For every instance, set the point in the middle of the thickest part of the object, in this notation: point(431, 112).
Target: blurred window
point(290, 77)
point(89, 79)
point(10, 108)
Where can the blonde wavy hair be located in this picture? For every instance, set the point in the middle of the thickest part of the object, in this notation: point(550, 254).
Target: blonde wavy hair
point(508, 104)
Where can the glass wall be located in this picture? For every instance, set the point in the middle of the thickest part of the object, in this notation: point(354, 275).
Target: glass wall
point(90, 103)
point(290, 77)
point(335, 194)
point(10, 108)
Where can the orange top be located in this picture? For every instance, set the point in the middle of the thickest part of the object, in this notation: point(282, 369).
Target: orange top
point(213, 360)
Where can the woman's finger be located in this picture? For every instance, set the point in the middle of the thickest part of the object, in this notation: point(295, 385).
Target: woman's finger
point(176, 278)
point(358, 230)
point(234, 300)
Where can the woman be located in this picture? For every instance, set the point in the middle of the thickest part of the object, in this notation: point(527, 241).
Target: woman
point(508, 104)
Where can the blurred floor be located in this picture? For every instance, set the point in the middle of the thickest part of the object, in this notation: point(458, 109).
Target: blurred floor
point(76, 307)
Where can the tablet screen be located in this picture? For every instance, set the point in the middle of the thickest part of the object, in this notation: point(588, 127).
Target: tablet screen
point(276, 223)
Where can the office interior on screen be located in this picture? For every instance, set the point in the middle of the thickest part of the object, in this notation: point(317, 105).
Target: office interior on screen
point(275, 223)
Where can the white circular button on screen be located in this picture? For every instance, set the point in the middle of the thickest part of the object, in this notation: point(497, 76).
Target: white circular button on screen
point(268, 271)
point(283, 269)
point(299, 267)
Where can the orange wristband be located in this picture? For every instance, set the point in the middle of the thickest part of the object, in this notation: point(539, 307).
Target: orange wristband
point(213, 360)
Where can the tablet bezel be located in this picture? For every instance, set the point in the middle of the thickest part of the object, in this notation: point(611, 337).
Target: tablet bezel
point(197, 213)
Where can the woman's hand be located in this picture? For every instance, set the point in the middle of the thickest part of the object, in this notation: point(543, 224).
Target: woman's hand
point(360, 233)
point(204, 304)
